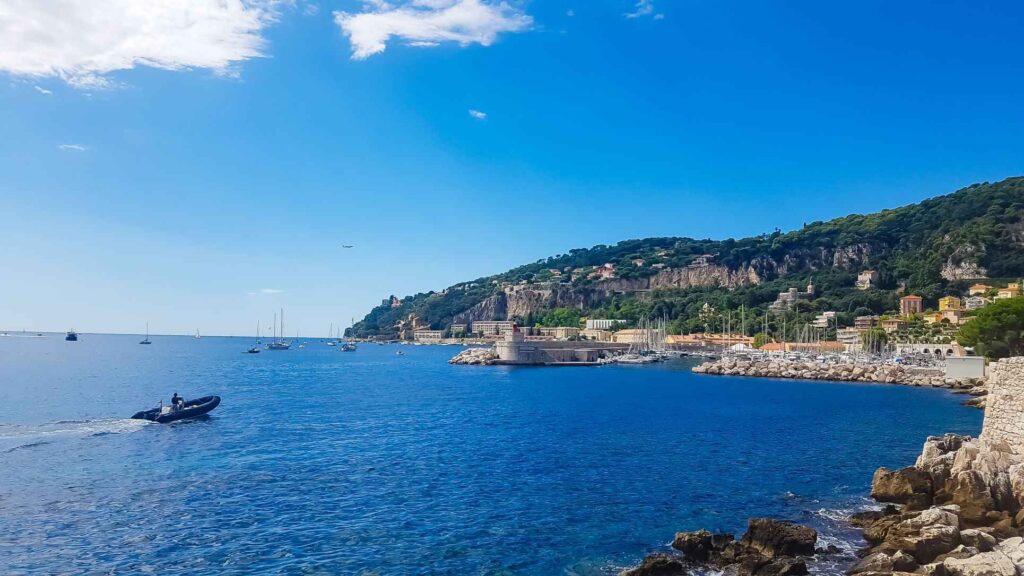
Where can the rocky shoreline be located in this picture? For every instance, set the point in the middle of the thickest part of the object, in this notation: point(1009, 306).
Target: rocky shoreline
point(958, 511)
point(844, 372)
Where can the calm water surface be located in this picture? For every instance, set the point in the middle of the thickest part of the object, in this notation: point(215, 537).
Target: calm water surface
point(322, 462)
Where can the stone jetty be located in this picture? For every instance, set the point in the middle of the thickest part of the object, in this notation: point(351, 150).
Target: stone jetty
point(475, 356)
point(843, 372)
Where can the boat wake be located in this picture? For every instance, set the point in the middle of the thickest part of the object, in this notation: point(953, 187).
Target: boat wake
point(17, 437)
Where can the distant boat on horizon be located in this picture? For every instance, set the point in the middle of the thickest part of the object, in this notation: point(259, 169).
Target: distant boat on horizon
point(71, 336)
point(256, 349)
point(146, 341)
point(197, 336)
point(279, 343)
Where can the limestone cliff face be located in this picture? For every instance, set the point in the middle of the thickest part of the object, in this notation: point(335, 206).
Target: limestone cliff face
point(701, 276)
point(493, 308)
point(962, 264)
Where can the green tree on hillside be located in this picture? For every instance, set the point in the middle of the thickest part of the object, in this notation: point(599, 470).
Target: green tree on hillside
point(997, 330)
point(561, 317)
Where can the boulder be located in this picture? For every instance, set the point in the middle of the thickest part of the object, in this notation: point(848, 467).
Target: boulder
point(909, 486)
point(978, 539)
point(774, 538)
point(984, 564)
point(925, 536)
point(658, 564)
point(700, 544)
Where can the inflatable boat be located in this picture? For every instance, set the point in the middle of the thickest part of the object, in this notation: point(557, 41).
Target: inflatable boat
point(189, 409)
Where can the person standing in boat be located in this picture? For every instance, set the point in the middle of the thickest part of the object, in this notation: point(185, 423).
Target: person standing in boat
point(177, 401)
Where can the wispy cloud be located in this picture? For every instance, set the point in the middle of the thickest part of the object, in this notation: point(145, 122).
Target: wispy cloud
point(42, 90)
point(428, 23)
point(644, 8)
point(83, 42)
point(75, 147)
point(266, 291)
point(478, 114)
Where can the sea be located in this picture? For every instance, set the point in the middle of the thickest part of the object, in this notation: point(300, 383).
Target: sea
point(373, 462)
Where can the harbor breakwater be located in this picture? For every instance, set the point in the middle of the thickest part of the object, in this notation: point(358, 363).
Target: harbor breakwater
point(876, 373)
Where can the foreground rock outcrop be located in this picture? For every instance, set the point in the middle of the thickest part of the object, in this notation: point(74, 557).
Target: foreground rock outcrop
point(962, 514)
point(843, 372)
point(768, 548)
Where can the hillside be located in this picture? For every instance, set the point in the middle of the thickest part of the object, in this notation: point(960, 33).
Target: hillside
point(931, 248)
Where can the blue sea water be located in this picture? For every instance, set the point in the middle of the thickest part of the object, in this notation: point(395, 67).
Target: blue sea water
point(322, 462)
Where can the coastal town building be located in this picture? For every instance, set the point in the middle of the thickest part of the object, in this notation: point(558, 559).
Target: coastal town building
point(808, 347)
point(910, 305)
point(513, 348)
point(596, 335)
point(949, 303)
point(849, 338)
point(891, 325)
point(824, 320)
point(937, 350)
point(976, 302)
point(867, 279)
point(431, 336)
point(630, 336)
point(705, 339)
point(601, 323)
point(392, 302)
point(978, 289)
point(786, 300)
point(491, 327)
point(559, 332)
point(604, 271)
point(1011, 291)
point(457, 329)
point(865, 322)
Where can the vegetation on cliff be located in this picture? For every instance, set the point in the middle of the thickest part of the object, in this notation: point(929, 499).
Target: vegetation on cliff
point(932, 248)
point(997, 330)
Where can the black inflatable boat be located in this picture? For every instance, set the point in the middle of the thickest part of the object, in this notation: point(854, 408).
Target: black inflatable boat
point(190, 409)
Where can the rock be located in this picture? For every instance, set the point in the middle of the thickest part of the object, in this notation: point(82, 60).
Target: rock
point(700, 544)
point(773, 538)
point(862, 519)
point(984, 564)
point(977, 539)
point(910, 486)
point(926, 535)
point(933, 569)
point(960, 551)
point(969, 490)
point(780, 567)
point(874, 562)
point(658, 564)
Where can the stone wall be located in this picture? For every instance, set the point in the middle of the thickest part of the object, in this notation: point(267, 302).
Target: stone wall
point(1004, 414)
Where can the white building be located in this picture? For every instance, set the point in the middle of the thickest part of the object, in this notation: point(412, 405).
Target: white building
point(602, 324)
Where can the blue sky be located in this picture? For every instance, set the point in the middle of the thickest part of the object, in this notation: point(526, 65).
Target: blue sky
point(198, 166)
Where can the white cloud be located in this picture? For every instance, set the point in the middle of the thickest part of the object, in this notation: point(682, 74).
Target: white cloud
point(42, 90)
point(426, 23)
point(82, 42)
point(644, 8)
point(478, 114)
point(75, 147)
point(267, 291)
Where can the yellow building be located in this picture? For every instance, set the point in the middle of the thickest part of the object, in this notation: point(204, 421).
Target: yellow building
point(1011, 291)
point(949, 303)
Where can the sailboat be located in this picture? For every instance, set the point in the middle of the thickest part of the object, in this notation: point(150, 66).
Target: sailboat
point(256, 349)
point(330, 336)
point(146, 341)
point(197, 336)
point(279, 343)
point(348, 345)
